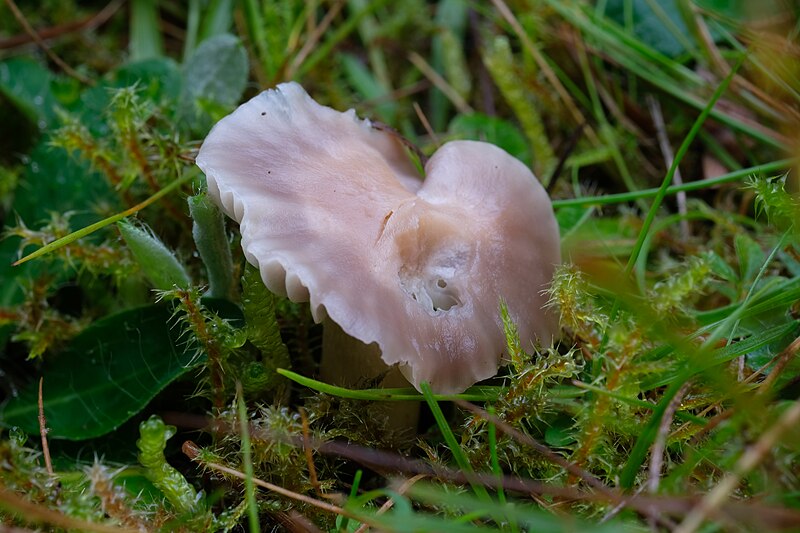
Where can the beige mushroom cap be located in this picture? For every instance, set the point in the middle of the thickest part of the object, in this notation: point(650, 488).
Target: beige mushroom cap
point(331, 210)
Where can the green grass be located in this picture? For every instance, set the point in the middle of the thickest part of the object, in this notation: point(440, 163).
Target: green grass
point(669, 403)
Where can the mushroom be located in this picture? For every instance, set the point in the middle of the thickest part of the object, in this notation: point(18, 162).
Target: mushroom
point(332, 210)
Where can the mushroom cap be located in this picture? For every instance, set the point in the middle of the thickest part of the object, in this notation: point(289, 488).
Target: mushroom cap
point(331, 210)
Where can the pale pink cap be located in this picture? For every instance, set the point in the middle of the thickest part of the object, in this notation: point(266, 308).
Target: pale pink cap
point(332, 211)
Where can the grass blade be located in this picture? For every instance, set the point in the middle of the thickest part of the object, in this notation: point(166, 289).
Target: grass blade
point(473, 394)
point(83, 232)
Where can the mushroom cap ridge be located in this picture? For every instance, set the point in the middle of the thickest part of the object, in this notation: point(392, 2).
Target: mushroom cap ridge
point(331, 210)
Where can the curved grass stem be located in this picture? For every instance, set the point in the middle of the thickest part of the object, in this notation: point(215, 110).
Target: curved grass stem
point(83, 232)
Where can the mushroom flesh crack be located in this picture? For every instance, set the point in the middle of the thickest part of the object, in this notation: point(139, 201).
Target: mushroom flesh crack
point(332, 211)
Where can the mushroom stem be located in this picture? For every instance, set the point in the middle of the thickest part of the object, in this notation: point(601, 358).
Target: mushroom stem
point(348, 362)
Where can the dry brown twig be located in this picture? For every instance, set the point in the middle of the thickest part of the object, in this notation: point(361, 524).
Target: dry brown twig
point(715, 499)
point(312, 471)
point(442, 84)
point(668, 155)
point(48, 463)
point(46, 49)
point(192, 451)
point(783, 359)
point(426, 124)
point(386, 463)
point(660, 443)
point(549, 454)
point(548, 72)
point(313, 39)
point(778, 363)
point(297, 523)
point(33, 513)
point(87, 23)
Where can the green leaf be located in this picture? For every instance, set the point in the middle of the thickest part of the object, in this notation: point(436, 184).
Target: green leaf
point(659, 25)
point(157, 80)
point(108, 373)
point(215, 75)
point(571, 218)
point(502, 133)
point(27, 102)
point(27, 84)
point(559, 436)
point(157, 261)
point(720, 267)
point(67, 184)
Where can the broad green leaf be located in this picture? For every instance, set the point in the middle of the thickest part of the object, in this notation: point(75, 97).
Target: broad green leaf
point(571, 218)
point(764, 355)
point(657, 24)
point(27, 103)
point(720, 267)
point(214, 77)
point(54, 182)
point(108, 373)
point(479, 127)
point(559, 436)
point(28, 85)
point(158, 79)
